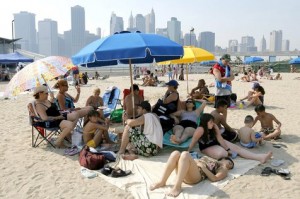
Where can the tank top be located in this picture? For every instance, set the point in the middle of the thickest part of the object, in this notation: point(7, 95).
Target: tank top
point(191, 116)
point(174, 103)
point(52, 110)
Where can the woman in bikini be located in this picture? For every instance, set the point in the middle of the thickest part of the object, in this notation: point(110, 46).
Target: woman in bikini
point(212, 144)
point(93, 132)
point(47, 110)
point(96, 102)
point(188, 121)
point(66, 102)
point(192, 171)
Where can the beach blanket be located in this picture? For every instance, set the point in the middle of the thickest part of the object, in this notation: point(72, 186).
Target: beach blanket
point(146, 171)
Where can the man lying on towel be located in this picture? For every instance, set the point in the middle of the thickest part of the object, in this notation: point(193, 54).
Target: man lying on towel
point(144, 134)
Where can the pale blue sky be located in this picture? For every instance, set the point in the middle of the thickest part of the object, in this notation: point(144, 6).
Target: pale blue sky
point(229, 19)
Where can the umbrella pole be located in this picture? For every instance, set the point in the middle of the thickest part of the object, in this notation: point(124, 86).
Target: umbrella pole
point(132, 93)
point(187, 79)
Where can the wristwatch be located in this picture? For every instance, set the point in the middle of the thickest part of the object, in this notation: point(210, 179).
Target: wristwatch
point(228, 149)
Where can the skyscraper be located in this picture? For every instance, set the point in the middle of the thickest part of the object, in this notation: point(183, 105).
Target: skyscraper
point(275, 41)
point(233, 45)
point(140, 23)
point(174, 30)
point(77, 28)
point(116, 24)
point(162, 31)
point(150, 22)
point(207, 41)
point(247, 44)
point(48, 37)
point(25, 29)
point(286, 45)
point(130, 21)
point(263, 45)
point(190, 39)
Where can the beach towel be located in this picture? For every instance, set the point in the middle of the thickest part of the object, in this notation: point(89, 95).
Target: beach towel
point(146, 171)
point(153, 130)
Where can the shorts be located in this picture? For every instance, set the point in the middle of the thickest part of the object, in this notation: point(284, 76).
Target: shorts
point(75, 72)
point(203, 146)
point(248, 145)
point(187, 123)
point(49, 124)
point(141, 143)
point(224, 97)
point(91, 143)
point(267, 130)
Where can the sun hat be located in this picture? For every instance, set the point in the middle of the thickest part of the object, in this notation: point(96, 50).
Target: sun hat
point(226, 57)
point(255, 85)
point(172, 83)
point(40, 89)
point(145, 105)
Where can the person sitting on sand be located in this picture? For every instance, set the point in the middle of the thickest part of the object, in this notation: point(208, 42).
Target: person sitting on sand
point(249, 138)
point(212, 144)
point(203, 90)
point(47, 110)
point(146, 76)
point(266, 120)
point(278, 77)
point(93, 132)
point(245, 78)
point(96, 102)
point(66, 102)
point(220, 117)
point(188, 123)
point(192, 171)
point(144, 133)
point(128, 109)
point(256, 96)
point(151, 81)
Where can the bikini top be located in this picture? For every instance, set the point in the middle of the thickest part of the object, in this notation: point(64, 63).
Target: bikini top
point(211, 164)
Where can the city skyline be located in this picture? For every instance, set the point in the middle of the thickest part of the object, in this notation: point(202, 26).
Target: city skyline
point(227, 27)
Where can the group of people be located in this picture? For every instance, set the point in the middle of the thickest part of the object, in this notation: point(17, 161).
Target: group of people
point(145, 125)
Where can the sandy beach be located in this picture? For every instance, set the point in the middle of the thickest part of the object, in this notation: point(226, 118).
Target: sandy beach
point(45, 172)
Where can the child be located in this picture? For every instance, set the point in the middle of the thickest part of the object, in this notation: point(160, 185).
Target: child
point(93, 132)
point(266, 120)
point(249, 138)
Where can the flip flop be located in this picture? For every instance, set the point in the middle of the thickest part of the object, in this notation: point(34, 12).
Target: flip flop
point(266, 171)
point(277, 163)
point(107, 170)
point(71, 151)
point(120, 173)
point(87, 173)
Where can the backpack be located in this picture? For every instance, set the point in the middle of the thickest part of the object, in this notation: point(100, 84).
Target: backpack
point(89, 160)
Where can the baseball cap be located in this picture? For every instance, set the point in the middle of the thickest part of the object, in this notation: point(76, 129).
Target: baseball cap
point(40, 89)
point(172, 83)
point(145, 105)
point(226, 57)
point(255, 85)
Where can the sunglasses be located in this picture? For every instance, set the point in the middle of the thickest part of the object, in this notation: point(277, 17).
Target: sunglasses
point(189, 101)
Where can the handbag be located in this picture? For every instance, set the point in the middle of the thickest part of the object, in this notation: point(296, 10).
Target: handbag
point(164, 109)
point(89, 160)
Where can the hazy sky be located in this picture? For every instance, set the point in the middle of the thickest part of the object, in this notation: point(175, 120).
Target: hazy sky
point(229, 19)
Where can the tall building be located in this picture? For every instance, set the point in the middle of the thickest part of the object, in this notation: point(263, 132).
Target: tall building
point(130, 21)
point(48, 37)
point(247, 44)
point(77, 28)
point(24, 26)
point(162, 31)
point(207, 41)
point(286, 45)
point(68, 43)
point(276, 41)
point(233, 46)
point(263, 45)
point(174, 30)
point(116, 24)
point(150, 22)
point(140, 23)
point(190, 39)
point(98, 32)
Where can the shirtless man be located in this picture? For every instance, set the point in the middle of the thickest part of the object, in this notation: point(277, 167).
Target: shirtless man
point(249, 138)
point(266, 120)
point(128, 114)
point(202, 90)
point(220, 116)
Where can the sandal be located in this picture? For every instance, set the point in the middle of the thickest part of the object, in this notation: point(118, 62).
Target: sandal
point(266, 171)
point(120, 173)
point(107, 170)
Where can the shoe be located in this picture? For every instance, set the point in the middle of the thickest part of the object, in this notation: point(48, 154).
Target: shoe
point(107, 170)
point(120, 173)
point(87, 173)
point(266, 171)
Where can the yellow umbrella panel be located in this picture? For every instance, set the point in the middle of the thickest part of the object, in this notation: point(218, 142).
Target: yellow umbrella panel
point(193, 54)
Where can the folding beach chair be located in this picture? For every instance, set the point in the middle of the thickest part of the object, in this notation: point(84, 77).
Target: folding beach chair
point(39, 133)
point(111, 100)
point(186, 144)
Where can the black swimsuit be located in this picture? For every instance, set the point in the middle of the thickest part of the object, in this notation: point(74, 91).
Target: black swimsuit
point(211, 142)
point(51, 111)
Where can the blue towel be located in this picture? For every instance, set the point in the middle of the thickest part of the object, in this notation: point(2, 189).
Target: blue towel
point(227, 74)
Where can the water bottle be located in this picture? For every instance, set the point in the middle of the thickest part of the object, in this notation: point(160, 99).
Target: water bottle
point(241, 105)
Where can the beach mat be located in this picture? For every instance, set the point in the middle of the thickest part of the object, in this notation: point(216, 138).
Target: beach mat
point(166, 141)
point(146, 171)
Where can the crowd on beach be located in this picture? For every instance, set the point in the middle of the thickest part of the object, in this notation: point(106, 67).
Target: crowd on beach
point(145, 124)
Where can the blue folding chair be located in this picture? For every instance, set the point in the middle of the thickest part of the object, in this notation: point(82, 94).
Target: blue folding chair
point(111, 100)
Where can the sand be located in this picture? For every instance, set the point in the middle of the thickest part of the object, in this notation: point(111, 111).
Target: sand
point(44, 172)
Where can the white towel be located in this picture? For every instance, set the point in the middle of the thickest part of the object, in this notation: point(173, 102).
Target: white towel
point(153, 130)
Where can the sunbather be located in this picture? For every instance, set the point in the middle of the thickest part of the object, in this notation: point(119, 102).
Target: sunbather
point(188, 121)
point(96, 102)
point(255, 97)
point(66, 101)
point(128, 113)
point(202, 90)
point(48, 111)
point(212, 144)
point(192, 171)
point(93, 132)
